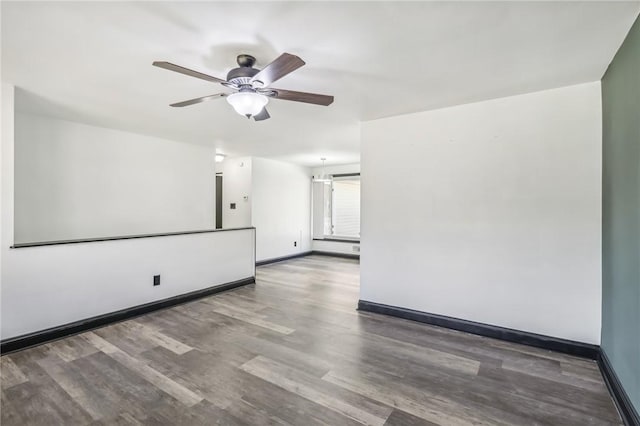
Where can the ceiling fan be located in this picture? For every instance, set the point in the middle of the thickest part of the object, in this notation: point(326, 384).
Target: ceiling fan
point(252, 86)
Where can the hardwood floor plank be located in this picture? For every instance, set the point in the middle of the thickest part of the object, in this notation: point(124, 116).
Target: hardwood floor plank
point(161, 339)
point(313, 365)
point(400, 418)
point(578, 403)
point(286, 378)
point(35, 408)
point(110, 390)
point(10, 373)
point(505, 404)
point(123, 419)
point(203, 413)
point(294, 409)
point(42, 401)
point(254, 414)
point(252, 318)
point(421, 404)
point(10, 412)
point(585, 371)
point(181, 393)
point(71, 348)
point(551, 370)
point(64, 377)
point(247, 309)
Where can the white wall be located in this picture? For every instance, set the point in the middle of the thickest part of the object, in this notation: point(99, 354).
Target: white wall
point(7, 101)
point(273, 196)
point(489, 212)
point(236, 188)
point(281, 208)
point(78, 181)
point(48, 286)
point(336, 246)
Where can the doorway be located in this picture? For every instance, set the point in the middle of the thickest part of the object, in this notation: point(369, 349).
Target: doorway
point(219, 201)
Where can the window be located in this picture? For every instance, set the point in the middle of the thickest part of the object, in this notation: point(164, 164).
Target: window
point(342, 207)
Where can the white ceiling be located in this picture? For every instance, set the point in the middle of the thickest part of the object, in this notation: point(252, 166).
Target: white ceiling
point(91, 62)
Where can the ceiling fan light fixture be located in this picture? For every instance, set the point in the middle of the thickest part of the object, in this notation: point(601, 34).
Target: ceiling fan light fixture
point(252, 85)
point(323, 178)
point(247, 103)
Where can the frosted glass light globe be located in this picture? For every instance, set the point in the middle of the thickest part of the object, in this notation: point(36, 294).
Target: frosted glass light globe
point(247, 103)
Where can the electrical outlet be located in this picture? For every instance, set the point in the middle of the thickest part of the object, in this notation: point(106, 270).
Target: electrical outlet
point(156, 280)
point(295, 244)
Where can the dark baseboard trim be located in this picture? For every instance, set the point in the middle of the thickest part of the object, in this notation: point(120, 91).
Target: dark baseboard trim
point(39, 337)
point(333, 254)
point(282, 258)
point(623, 402)
point(308, 253)
point(570, 347)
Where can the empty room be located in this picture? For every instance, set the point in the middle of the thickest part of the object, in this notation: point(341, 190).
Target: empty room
point(320, 213)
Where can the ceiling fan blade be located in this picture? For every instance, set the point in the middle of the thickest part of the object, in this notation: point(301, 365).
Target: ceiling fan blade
point(186, 71)
point(263, 115)
point(281, 66)
point(309, 98)
point(198, 100)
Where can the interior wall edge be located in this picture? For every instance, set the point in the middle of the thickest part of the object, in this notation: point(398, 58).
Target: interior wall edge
point(625, 407)
point(620, 334)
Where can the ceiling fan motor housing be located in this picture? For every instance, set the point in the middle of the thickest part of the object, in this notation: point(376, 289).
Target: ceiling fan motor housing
point(243, 74)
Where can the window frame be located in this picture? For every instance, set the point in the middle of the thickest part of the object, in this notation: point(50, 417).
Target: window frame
point(333, 237)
